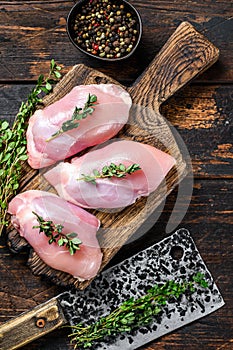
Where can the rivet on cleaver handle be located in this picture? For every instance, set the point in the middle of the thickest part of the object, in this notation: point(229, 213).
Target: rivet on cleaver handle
point(31, 325)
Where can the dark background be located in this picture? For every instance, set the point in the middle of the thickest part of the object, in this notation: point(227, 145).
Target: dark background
point(34, 32)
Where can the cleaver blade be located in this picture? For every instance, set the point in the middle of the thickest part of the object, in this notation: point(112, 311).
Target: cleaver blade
point(175, 257)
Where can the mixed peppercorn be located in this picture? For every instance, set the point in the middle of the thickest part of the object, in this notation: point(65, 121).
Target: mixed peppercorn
point(106, 28)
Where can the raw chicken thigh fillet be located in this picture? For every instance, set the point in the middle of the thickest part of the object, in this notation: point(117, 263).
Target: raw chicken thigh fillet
point(85, 263)
point(111, 192)
point(110, 114)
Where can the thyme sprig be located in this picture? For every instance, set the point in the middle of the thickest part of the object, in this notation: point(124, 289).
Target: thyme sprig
point(55, 234)
point(78, 114)
point(13, 141)
point(109, 171)
point(134, 313)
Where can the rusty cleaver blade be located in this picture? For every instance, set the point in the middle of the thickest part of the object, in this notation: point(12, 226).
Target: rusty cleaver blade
point(130, 278)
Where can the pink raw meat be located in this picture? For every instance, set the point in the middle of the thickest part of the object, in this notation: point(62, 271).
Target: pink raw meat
point(110, 114)
point(114, 192)
point(85, 263)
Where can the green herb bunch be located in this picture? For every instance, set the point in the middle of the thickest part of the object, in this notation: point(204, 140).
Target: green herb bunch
point(109, 171)
point(55, 234)
point(78, 114)
point(134, 313)
point(13, 141)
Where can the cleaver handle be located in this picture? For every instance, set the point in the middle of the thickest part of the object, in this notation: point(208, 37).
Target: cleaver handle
point(186, 54)
point(31, 325)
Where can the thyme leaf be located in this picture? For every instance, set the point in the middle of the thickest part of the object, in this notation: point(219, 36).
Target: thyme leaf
point(13, 150)
point(109, 171)
point(78, 114)
point(55, 234)
point(134, 313)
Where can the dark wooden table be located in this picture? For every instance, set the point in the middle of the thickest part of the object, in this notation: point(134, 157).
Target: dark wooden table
point(33, 32)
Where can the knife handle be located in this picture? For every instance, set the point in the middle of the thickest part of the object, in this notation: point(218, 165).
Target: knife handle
point(31, 325)
point(186, 54)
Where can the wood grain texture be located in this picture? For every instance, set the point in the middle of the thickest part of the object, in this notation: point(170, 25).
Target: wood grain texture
point(33, 32)
point(198, 112)
point(37, 31)
point(209, 225)
point(113, 236)
point(31, 325)
point(186, 54)
point(203, 117)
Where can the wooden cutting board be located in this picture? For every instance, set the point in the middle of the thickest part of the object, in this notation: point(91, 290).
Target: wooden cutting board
point(186, 54)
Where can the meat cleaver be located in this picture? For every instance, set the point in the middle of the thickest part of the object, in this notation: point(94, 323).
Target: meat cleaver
point(175, 257)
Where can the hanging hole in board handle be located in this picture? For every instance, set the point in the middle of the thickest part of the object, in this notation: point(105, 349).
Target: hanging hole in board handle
point(177, 252)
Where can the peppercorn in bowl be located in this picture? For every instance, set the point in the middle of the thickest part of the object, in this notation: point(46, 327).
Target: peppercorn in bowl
point(109, 30)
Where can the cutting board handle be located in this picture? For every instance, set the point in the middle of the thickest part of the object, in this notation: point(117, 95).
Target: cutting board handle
point(186, 54)
point(31, 325)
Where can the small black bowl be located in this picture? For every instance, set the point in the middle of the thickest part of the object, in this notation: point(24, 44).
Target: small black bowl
point(128, 8)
